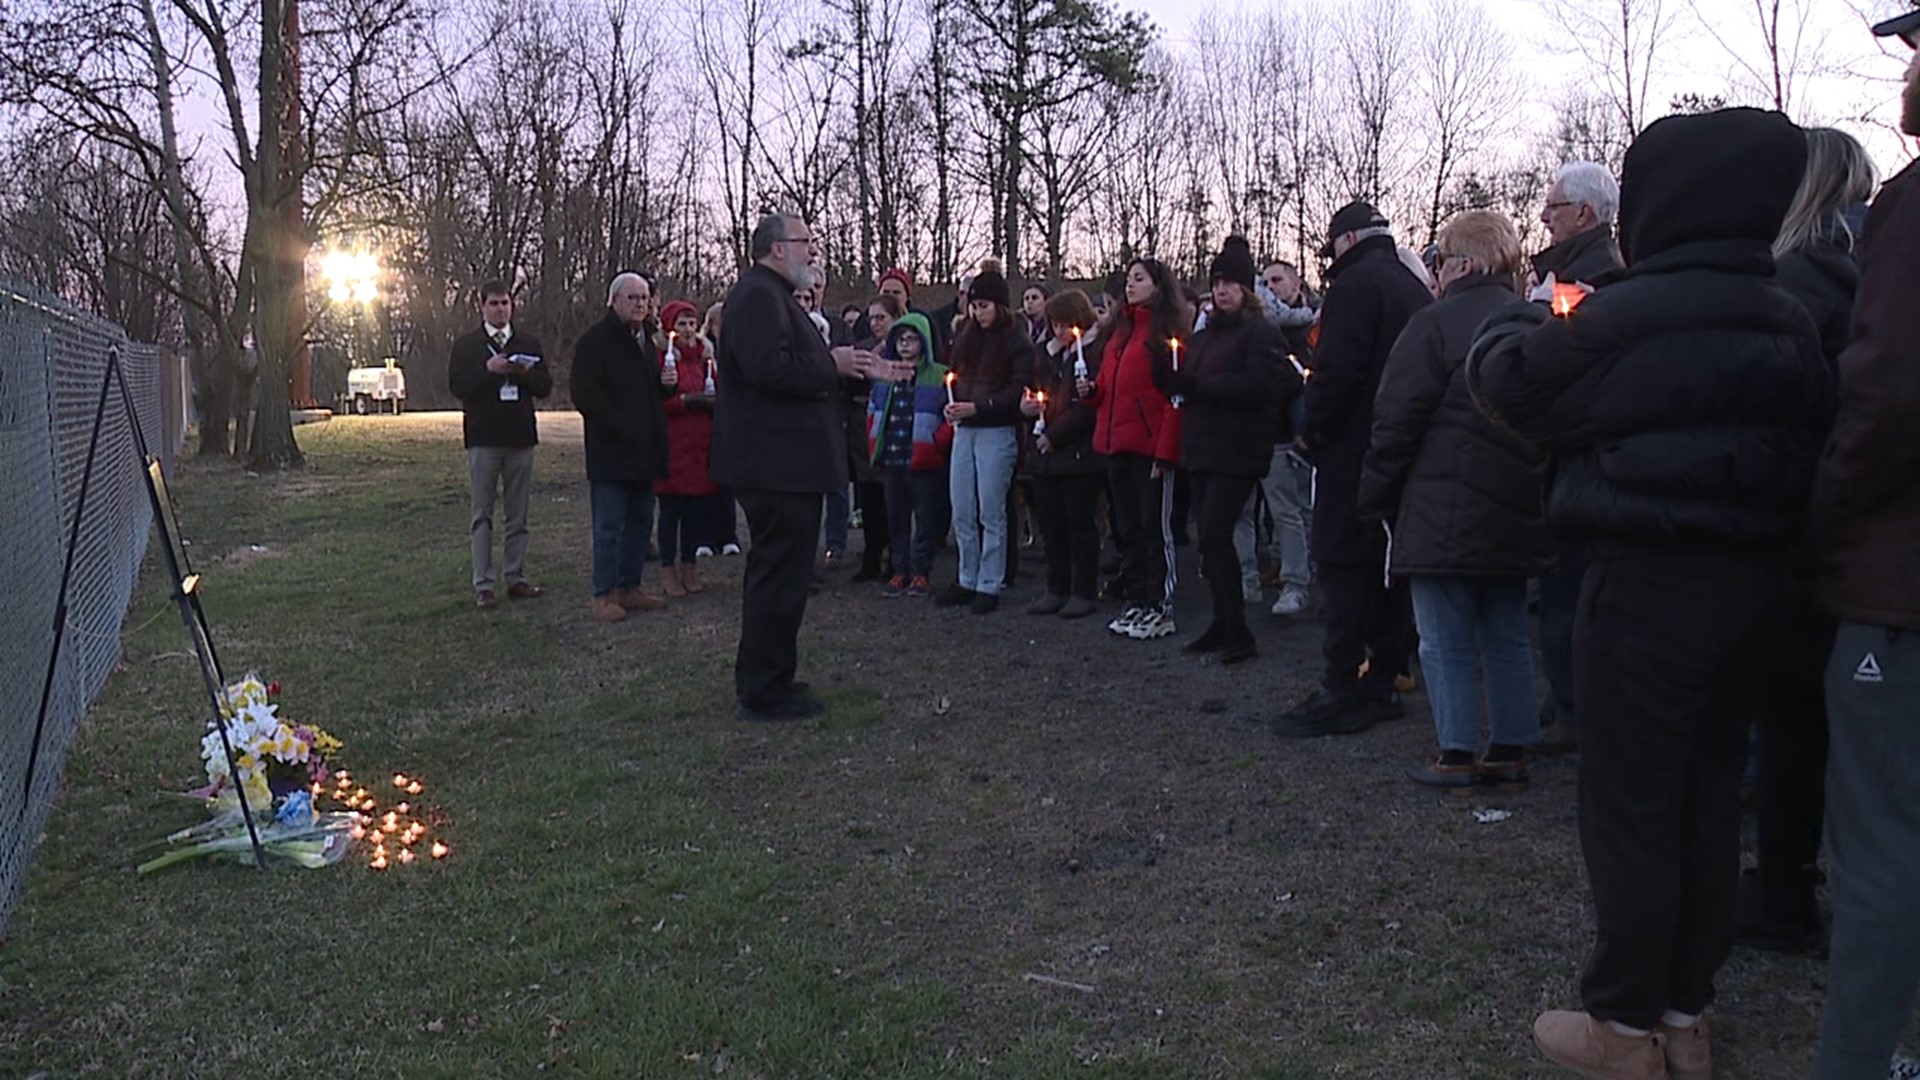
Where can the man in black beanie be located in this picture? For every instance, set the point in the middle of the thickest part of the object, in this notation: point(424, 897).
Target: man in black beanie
point(1684, 406)
point(1369, 619)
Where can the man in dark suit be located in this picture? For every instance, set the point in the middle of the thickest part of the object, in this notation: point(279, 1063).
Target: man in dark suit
point(620, 390)
point(780, 445)
point(497, 372)
point(1371, 297)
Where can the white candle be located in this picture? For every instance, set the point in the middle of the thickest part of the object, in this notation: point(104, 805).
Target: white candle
point(673, 354)
point(1079, 355)
point(949, 387)
point(1040, 418)
point(1174, 344)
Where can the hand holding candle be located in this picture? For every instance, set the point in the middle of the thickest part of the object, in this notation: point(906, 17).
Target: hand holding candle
point(670, 367)
point(1566, 298)
point(1079, 356)
point(1173, 345)
point(1040, 413)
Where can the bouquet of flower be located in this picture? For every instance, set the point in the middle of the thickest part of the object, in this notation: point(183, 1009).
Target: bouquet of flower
point(280, 768)
point(275, 758)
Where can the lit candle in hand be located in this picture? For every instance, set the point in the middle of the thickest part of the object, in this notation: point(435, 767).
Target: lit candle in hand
point(1079, 356)
point(1566, 298)
point(1040, 418)
point(1173, 345)
point(949, 387)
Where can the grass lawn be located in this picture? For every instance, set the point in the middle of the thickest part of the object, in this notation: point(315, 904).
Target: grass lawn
point(641, 886)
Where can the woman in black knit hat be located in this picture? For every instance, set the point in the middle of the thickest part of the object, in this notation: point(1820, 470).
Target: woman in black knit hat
point(1230, 387)
point(991, 367)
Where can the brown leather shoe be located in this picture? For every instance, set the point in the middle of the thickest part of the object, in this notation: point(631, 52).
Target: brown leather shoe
point(690, 579)
point(522, 590)
point(638, 599)
point(607, 608)
point(670, 583)
point(1594, 1049)
point(1689, 1051)
point(484, 599)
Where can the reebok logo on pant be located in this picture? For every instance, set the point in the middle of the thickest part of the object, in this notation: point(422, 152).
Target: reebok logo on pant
point(1868, 671)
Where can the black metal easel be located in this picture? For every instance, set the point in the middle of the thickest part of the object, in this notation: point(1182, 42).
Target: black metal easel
point(184, 583)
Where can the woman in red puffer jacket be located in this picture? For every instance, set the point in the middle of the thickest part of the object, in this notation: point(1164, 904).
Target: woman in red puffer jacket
point(1138, 429)
point(688, 494)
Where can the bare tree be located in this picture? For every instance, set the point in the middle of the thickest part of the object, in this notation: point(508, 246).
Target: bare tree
point(1621, 45)
point(1466, 90)
point(730, 38)
point(1372, 79)
point(1773, 52)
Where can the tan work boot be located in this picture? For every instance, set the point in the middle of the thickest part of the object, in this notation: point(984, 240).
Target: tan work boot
point(607, 608)
point(690, 578)
point(1689, 1051)
point(639, 599)
point(670, 583)
point(1594, 1049)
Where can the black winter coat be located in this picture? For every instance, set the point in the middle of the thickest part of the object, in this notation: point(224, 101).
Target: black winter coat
point(993, 369)
point(1231, 380)
point(1463, 496)
point(1685, 403)
point(1372, 296)
point(1586, 257)
point(1069, 420)
point(779, 413)
point(486, 419)
point(616, 388)
point(1823, 276)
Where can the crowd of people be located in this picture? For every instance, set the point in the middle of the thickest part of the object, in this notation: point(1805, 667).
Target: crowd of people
point(1689, 444)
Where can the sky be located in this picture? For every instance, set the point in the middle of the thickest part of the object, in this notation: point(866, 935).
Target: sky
point(1859, 94)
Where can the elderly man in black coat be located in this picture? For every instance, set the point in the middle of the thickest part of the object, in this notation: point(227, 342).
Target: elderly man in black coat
point(1369, 302)
point(620, 391)
point(1684, 406)
point(779, 442)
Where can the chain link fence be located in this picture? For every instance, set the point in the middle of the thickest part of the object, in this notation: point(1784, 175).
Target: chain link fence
point(52, 359)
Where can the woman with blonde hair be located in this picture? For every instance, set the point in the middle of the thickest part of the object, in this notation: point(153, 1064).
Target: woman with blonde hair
point(1814, 260)
point(1464, 502)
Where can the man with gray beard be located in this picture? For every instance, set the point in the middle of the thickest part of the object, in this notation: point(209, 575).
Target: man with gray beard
point(779, 442)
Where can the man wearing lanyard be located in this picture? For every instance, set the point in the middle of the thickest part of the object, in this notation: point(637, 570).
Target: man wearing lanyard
point(496, 372)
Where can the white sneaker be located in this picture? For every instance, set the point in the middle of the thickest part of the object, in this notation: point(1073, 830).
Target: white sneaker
point(1154, 623)
point(1293, 601)
point(1124, 624)
point(703, 552)
point(730, 549)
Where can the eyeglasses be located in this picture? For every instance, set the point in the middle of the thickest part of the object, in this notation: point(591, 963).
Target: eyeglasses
point(795, 240)
point(1558, 205)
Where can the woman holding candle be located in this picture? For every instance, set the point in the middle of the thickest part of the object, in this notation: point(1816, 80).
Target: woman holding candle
point(1229, 385)
point(1068, 476)
point(991, 366)
point(1138, 429)
point(687, 495)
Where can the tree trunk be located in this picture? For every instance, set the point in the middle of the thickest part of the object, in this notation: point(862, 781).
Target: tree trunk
point(280, 317)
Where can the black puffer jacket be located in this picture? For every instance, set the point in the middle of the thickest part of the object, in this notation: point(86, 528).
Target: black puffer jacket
point(1684, 403)
point(1371, 298)
point(1232, 384)
point(1464, 497)
point(1823, 276)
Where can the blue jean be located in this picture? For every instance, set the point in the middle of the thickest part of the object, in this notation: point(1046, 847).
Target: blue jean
point(982, 474)
point(1473, 630)
point(622, 523)
point(839, 519)
point(914, 518)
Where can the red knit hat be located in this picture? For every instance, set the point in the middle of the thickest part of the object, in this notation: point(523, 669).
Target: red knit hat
point(672, 312)
point(899, 273)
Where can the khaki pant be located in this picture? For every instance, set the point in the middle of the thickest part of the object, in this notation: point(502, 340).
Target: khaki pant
point(497, 469)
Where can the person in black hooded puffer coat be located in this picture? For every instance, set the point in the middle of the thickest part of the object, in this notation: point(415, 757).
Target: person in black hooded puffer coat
point(1684, 405)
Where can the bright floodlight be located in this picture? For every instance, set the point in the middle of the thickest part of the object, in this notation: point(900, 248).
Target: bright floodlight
point(352, 277)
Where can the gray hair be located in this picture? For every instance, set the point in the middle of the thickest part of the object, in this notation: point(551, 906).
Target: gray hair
point(623, 279)
point(1372, 231)
point(1592, 184)
point(768, 231)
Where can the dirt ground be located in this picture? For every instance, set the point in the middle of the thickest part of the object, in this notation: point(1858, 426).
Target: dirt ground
point(1101, 842)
